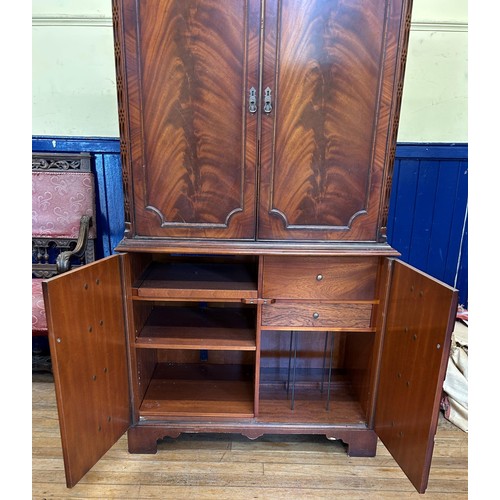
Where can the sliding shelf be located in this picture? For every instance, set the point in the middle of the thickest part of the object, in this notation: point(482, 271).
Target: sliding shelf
point(227, 281)
point(212, 328)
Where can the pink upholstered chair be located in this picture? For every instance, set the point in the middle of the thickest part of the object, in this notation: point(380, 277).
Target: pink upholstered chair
point(63, 231)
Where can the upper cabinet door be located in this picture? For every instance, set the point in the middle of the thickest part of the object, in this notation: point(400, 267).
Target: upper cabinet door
point(419, 321)
point(333, 74)
point(185, 75)
point(89, 360)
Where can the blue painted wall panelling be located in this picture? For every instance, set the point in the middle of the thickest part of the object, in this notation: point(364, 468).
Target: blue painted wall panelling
point(427, 220)
point(428, 211)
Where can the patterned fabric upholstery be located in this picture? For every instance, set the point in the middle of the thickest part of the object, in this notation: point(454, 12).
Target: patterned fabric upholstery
point(59, 199)
point(39, 318)
point(63, 191)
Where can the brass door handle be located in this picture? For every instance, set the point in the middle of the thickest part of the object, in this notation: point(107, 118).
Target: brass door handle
point(268, 106)
point(252, 101)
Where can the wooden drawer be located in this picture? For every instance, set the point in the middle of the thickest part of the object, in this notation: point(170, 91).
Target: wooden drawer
point(322, 278)
point(322, 315)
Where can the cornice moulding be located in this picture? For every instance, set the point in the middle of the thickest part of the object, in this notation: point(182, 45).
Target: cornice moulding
point(104, 21)
point(439, 26)
point(72, 21)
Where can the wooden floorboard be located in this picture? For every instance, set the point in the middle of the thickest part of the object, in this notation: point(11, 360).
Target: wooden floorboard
point(205, 466)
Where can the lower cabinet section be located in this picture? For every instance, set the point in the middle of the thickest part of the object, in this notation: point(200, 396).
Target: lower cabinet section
point(229, 344)
point(206, 344)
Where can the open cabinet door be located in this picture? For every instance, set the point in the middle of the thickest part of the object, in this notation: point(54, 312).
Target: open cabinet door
point(419, 322)
point(88, 350)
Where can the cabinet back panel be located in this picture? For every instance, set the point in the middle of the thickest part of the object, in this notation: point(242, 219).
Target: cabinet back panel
point(275, 349)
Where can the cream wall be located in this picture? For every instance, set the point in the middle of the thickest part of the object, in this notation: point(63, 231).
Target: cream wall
point(434, 107)
point(73, 75)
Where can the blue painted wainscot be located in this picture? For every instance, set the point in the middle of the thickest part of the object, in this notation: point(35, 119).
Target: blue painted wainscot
point(428, 217)
point(427, 223)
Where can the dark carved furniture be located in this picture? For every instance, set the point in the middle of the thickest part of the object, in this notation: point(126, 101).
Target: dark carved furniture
point(254, 291)
point(63, 231)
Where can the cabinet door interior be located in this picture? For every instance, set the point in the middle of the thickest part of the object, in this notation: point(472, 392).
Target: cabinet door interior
point(420, 318)
point(89, 357)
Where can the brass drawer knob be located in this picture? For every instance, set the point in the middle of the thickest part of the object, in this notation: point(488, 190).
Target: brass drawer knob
point(316, 315)
point(319, 277)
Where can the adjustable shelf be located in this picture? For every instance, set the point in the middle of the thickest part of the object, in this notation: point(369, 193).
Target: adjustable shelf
point(212, 328)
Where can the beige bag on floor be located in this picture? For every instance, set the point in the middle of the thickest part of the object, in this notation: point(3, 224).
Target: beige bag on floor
point(455, 404)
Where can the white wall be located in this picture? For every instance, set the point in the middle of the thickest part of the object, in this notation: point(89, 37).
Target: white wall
point(434, 107)
point(73, 74)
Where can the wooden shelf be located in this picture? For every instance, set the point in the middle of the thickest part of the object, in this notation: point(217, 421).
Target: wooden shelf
point(199, 390)
point(228, 281)
point(213, 328)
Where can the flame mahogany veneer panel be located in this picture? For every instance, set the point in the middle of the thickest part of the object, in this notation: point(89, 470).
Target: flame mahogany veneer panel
point(325, 145)
point(187, 65)
point(316, 167)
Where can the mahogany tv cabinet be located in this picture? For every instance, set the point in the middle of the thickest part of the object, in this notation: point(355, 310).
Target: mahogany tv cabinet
point(254, 291)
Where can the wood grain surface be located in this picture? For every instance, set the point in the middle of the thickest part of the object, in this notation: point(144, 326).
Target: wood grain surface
point(342, 317)
point(320, 278)
point(315, 166)
point(326, 63)
point(187, 77)
point(89, 359)
point(420, 318)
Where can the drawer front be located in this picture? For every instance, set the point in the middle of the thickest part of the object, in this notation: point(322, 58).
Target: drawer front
point(323, 278)
point(332, 316)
